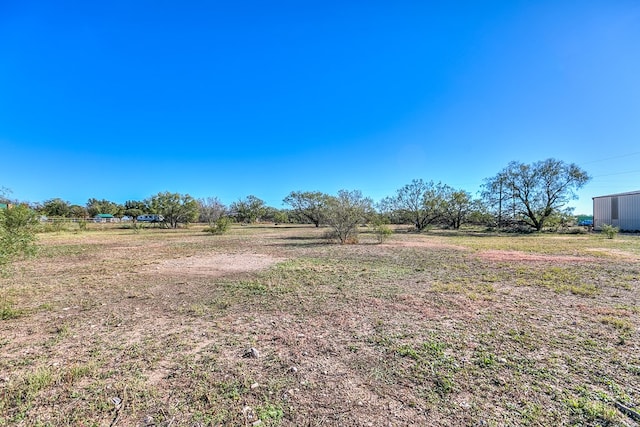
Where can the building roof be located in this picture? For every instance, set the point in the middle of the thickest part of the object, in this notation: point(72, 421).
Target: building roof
point(630, 193)
point(104, 216)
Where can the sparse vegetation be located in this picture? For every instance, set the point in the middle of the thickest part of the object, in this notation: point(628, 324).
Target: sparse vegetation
point(449, 328)
point(220, 226)
point(609, 230)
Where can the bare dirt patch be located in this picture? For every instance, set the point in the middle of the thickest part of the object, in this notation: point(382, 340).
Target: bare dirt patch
point(213, 265)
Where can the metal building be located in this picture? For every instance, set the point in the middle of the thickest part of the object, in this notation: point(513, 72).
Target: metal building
point(620, 210)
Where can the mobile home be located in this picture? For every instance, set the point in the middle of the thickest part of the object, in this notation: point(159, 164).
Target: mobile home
point(619, 210)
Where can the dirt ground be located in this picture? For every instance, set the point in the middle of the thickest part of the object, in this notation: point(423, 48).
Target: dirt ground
point(111, 327)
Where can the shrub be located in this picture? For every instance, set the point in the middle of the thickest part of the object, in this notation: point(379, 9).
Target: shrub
point(17, 233)
point(381, 228)
point(383, 232)
point(221, 226)
point(609, 230)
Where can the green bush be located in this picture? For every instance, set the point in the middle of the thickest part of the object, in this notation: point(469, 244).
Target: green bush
point(382, 232)
point(221, 226)
point(17, 233)
point(609, 230)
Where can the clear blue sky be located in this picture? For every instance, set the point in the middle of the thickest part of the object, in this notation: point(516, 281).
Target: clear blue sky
point(122, 99)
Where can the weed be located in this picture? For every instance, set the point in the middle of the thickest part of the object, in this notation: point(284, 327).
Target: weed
point(269, 413)
point(590, 411)
point(620, 324)
point(8, 311)
point(609, 230)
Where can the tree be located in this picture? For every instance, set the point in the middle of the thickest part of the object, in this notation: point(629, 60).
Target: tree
point(134, 208)
point(539, 189)
point(56, 208)
point(248, 210)
point(310, 205)
point(420, 202)
point(95, 207)
point(458, 204)
point(345, 212)
point(17, 233)
point(175, 208)
point(499, 199)
point(4, 195)
point(77, 211)
point(211, 210)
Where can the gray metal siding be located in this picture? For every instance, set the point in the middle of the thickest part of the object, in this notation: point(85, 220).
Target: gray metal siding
point(601, 211)
point(628, 211)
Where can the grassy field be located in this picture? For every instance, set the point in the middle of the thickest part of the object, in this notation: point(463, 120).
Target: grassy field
point(110, 327)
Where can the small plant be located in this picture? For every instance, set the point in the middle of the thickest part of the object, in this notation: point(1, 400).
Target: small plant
point(221, 226)
point(7, 311)
point(270, 413)
point(609, 230)
point(382, 231)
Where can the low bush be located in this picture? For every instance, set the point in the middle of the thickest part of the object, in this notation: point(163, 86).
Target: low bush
point(382, 232)
point(221, 226)
point(609, 230)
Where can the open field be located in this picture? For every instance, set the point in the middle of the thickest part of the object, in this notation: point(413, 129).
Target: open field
point(111, 327)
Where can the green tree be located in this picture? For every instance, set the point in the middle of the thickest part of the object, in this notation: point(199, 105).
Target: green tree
point(458, 205)
point(17, 233)
point(134, 208)
point(56, 208)
point(539, 189)
point(249, 210)
point(421, 203)
point(95, 207)
point(281, 216)
point(310, 205)
point(77, 211)
point(175, 208)
point(345, 212)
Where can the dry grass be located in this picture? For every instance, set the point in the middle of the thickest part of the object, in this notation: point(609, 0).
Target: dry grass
point(111, 327)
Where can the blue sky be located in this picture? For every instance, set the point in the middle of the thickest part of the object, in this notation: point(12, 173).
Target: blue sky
point(122, 99)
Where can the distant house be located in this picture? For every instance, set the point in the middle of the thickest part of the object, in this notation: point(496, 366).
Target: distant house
point(104, 218)
point(5, 205)
point(619, 210)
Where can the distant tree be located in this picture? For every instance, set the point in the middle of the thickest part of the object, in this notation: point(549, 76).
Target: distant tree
point(539, 189)
point(422, 203)
point(77, 211)
point(248, 210)
point(134, 208)
point(499, 199)
point(458, 205)
point(281, 216)
point(175, 208)
point(56, 208)
point(211, 209)
point(17, 233)
point(345, 212)
point(95, 207)
point(310, 205)
point(4, 195)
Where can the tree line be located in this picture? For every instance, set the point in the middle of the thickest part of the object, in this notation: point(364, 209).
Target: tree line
point(520, 195)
